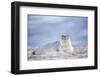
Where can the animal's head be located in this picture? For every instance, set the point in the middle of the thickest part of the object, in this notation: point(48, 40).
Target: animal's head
point(65, 37)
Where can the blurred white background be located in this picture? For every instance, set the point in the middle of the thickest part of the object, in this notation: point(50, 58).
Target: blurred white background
point(5, 37)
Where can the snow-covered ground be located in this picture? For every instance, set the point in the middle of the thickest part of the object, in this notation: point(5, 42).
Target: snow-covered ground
point(61, 49)
point(79, 52)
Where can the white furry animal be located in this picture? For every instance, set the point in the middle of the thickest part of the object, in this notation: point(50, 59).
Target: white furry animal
point(65, 44)
point(63, 47)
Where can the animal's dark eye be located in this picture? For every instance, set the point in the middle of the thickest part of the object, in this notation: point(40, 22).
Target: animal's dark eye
point(33, 53)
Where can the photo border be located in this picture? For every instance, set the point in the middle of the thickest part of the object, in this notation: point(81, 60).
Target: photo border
point(15, 37)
